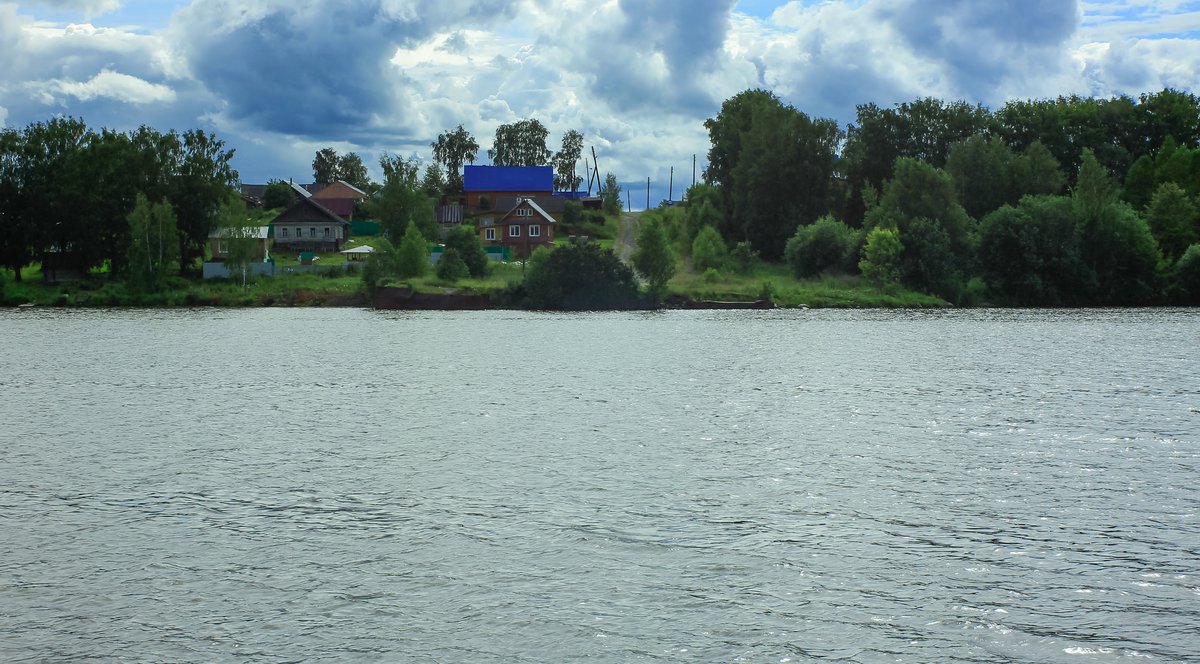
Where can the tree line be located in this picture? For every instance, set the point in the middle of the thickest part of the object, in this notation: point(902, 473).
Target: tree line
point(71, 190)
point(1070, 201)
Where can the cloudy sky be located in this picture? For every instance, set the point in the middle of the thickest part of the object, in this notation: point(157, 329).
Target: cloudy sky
point(279, 79)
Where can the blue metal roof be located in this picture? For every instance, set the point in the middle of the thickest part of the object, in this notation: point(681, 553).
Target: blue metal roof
point(508, 178)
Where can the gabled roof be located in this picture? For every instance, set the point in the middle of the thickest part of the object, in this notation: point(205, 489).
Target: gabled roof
point(306, 210)
point(340, 189)
point(539, 215)
point(550, 204)
point(508, 178)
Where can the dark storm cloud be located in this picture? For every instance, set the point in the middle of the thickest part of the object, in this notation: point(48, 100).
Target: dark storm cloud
point(981, 43)
point(314, 69)
point(658, 54)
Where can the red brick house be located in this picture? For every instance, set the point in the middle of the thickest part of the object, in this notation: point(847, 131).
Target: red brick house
point(522, 229)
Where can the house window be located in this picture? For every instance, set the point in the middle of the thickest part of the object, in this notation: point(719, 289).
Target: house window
point(312, 231)
point(535, 231)
point(326, 232)
point(223, 246)
point(514, 231)
point(489, 234)
point(524, 212)
point(283, 231)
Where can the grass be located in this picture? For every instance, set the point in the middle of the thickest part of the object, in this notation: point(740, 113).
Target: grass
point(347, 289)
point(787, 291)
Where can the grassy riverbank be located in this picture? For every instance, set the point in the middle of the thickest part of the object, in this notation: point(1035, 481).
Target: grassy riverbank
point(347, 290)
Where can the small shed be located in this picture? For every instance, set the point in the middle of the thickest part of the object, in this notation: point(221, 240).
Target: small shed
point(359, 253)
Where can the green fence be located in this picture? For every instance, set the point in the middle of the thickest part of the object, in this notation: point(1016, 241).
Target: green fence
point(364, 227)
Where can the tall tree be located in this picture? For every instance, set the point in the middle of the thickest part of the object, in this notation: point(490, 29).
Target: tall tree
point(521, 143)
point(452, 149)
point(402, 200)
point(325, 166)
point(204, 181)
point(653, 258)
point(610, 195)
point(352, 170)
point(154, 243)
point(239, 235)
point(760, 148)
point(16, 235)
point(1173, 219)
point(565, 177)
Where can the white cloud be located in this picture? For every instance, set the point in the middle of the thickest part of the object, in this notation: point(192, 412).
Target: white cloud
point(108, 85)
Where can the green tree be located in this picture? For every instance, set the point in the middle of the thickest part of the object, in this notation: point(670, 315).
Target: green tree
point(700, 214)
point(240, 236)
point(1187, 275)
point(565, 177)
point(1044, 174)
point(450, 267)
point(412, 256)
point(452, 149)
point(610, 195)
point(325, 166)
point(352, 170)
point(16, 245)
point(1139, 183)
point(939, 236)
point(578, 277)
point(433, 183)
point(1120, 250)
point(653, 258)
point(464, 240)
point(708, 250)
point(1030, 254)
point(205, 179)
point(154, 244)
point(760, 147)
point(278, 194)
point(521, 143)
point(881, 257)
point(1173, 219)
point(823, 245)
point(402, 200)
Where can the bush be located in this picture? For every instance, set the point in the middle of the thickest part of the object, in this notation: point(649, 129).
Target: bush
point(572, 213)
point(708, 250)
point(1187, 272)
point(823, 245)
point(465, 241)
point(578, 277)
point(451, 267)
point(881, 257)
point(742, 258)
point(412, 256)
point(711, 275)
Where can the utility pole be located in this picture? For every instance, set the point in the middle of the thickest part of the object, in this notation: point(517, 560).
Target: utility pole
point(647, 193)
point(693, 169)
point(671, 187)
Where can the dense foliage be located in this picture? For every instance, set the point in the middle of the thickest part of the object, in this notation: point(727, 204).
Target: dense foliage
point(578, 277)
point(68, 190)
point(974, 202)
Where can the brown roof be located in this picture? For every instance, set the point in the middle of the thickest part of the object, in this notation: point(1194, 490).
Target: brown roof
point(307, 210)
point(341, 189)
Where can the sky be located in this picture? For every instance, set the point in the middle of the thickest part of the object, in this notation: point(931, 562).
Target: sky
point(278, 80)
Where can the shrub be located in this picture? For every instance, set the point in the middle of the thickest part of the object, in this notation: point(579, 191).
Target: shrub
point(1187, 271)
point(742, 258)
point(579, 277)
point(711, 275)
point(823, 245)
point(412, 256)
point(451, 267)
point(464, 240)
point(881, 257)
point(708, 250)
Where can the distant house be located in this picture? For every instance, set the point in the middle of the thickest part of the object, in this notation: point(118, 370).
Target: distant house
point(340, 198)
point(309, 226)
point(254, 194)
point(485, 185)
point(522, 229)
point(218, 243)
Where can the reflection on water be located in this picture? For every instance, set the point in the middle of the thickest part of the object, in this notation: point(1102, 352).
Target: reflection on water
point(868, 486)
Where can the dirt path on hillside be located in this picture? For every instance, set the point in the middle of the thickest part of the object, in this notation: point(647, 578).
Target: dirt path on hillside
point(626, 242)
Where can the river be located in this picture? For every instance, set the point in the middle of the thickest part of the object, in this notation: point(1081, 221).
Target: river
point(305, 485)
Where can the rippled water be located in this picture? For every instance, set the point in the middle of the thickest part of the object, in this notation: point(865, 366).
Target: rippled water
point(309, 485)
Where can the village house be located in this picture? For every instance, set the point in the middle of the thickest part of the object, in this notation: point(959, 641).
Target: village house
point(522, 229)
point(218, 243)
point(340, 198)
point(485, 185)
point(309, 226)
